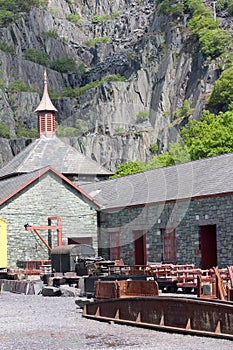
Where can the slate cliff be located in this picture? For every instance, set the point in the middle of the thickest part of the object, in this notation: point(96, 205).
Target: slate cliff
point(116, 121)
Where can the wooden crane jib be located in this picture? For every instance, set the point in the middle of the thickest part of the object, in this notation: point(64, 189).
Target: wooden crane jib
point(57, 227)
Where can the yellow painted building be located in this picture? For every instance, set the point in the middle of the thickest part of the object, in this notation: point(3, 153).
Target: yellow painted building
point(3, 244)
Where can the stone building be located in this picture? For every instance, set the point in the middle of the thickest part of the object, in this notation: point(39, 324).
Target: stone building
point(42, 182)
point(179, 214)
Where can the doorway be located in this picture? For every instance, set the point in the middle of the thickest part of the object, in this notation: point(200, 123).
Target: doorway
point(115, 246)
point(140, 247)
point(169, 245)
point(208, 246)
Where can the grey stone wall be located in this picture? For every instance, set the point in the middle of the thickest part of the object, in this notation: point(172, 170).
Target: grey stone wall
point(49, 196)
point(184, 216)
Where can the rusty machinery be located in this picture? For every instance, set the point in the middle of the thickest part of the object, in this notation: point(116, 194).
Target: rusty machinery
point(49, 227)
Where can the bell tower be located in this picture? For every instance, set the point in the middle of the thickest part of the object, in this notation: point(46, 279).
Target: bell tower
point(46, 113)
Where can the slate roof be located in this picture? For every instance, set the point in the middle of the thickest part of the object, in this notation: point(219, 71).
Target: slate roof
point(205, 177)
point(55, 153)
point(13, 185)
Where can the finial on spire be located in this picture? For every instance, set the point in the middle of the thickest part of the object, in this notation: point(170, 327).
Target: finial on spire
point(45, 77)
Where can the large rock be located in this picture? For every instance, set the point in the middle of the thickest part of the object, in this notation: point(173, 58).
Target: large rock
point(155, 54)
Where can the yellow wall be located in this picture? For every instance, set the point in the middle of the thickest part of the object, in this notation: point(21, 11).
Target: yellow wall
point(3, 244)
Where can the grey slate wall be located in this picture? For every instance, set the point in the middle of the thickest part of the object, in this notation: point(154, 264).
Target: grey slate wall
point(49, 196)
point(186, 217)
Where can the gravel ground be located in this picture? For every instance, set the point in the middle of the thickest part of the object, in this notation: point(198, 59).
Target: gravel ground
point(35, 322)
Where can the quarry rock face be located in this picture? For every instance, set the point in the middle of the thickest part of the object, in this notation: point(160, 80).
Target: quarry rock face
point(116, 121)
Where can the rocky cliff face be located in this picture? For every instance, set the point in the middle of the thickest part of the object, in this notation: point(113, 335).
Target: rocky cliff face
point(122, 119)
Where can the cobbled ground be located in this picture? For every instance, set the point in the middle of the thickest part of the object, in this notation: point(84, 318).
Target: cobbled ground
point(35, 322)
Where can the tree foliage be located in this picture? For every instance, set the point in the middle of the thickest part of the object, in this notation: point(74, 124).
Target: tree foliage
point(19, 86)
point(177, 153)
point(4, 131)
point(25, 133)
point(66, 131)
point(74, 18)
point(36, 56)
point(10, 9)
point(64, 65)
point(211, 136)
point(225, 5)
point(129, 168)
point(214, 42)
point(222, 94)
point(184, 111)
point(82, 90)
point(200, 23)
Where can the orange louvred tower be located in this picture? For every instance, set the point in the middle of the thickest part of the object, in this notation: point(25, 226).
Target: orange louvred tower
point(46, 113)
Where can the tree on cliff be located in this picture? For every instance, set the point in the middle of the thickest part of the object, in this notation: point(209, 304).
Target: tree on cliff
point(222, 94)
point(212, 135)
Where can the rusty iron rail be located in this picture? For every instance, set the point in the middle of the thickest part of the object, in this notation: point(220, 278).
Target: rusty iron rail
point(211, 318)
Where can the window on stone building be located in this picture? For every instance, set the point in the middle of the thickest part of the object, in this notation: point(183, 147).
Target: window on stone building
point(80, 240)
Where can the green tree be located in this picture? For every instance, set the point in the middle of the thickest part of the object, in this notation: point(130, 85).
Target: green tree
point(177, 153)
point(112, 77)
point(64, 65)
point(142, 116)
point(36, 56)
point(222, 94)
point(52, 34)
point(129, 168)
point(154, 148)
point(211, 136)
point(7, 17)
point(7, 48)
point(66, 131)
point(200, 23)
point(74, 18)
point(25, 133)
point(19, 85)
point(100, 19)
point(195, 7)
point(184, 111)
point(4, 131)
point(214, 42)
point(225, 5)
point(98, 40)
point(10, 9)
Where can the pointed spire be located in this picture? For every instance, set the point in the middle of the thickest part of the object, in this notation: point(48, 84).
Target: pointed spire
point(45, 103)
point(46, 113)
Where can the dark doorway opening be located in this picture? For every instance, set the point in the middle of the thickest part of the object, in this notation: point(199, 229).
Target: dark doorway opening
point(208, 246)
point(115, 246)
point(140, 247)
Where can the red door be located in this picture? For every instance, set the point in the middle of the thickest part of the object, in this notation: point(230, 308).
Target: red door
point(115, 245)
point(208, 246)
point(140, 247)
point(169, 245)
